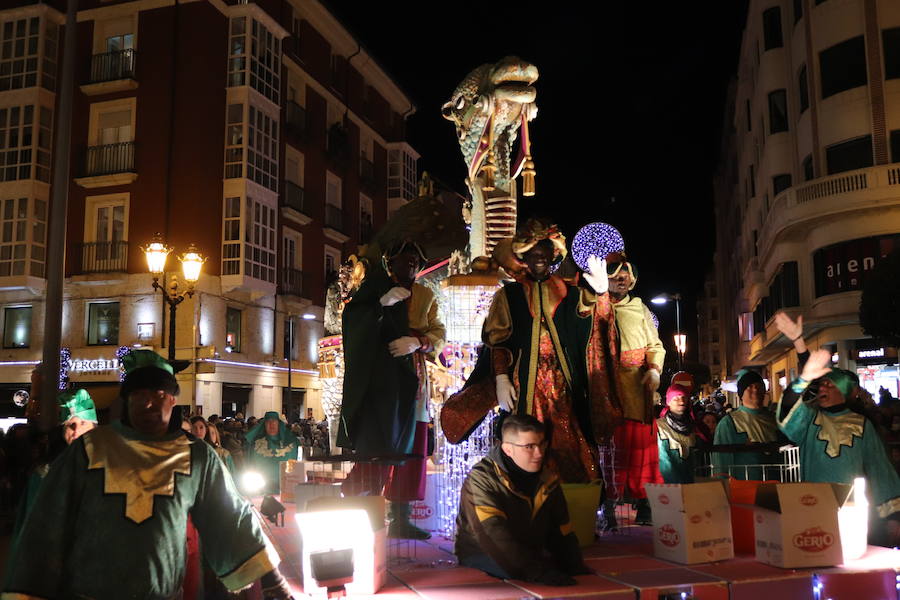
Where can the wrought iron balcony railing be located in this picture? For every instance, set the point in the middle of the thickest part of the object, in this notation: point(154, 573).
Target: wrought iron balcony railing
point(104, 257)
point(290, 282)
point(334, 217)
point(109, 159)
point(111, 66)
point(294, 197)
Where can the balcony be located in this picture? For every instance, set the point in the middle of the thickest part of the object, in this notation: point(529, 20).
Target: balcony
point(290, 282)
point(107, 165)
point(111, 72)
point(295, 119)
point(103, 257)
point(844, 195)
point(334, 223)
point(293, 203)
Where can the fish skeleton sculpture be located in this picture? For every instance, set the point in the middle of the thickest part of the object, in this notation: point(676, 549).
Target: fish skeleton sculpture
point(489, 108)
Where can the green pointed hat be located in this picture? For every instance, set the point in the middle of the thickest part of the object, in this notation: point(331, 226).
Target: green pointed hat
point(843, 380)
point(137, 359)
point(76, 404)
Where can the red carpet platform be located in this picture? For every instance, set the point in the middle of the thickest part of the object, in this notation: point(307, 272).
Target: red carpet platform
point(625, 570)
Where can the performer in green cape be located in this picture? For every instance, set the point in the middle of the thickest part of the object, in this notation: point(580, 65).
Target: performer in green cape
point(110, 518)
point(269, 443)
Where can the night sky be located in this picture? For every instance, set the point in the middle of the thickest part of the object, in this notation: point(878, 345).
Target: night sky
point(630, 104)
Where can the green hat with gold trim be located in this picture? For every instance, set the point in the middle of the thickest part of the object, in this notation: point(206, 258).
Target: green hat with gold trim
point(76, 404)
point(137, 359)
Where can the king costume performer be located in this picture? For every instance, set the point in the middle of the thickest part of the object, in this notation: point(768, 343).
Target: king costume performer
point(110, 518)
point(554, 345)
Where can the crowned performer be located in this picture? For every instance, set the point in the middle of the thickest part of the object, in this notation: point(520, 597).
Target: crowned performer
point(539, 335)
point(635, 453)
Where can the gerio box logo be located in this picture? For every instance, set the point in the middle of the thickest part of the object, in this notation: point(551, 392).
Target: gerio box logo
point(668, 536)
point(663, 499)
point(809, 500)
point(814, 539)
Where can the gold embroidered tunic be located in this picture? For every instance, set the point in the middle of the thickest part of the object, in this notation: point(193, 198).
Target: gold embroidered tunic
point(641, 348)
point(110, 518)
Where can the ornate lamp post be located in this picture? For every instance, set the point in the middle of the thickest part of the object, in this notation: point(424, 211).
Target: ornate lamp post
point(191, 265)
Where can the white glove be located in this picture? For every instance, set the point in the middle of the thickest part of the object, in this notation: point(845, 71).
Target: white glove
point(651, 380)
point(506, 393)
point(404, 345)
point(596, 274)
point(395, 295)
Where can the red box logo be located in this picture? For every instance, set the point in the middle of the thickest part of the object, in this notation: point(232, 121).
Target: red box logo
point(668, 536)
point(663, 499)
point(814, 539)
point(809, 500)
point(696, 519)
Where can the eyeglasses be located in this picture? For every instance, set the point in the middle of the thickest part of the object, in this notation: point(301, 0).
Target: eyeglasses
point(530, 447)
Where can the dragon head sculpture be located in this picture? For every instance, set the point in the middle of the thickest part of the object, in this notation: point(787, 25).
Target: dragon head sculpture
point(488, 107)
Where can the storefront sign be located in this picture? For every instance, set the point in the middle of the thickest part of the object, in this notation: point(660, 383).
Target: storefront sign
point(96, 365)
point(871, 353)
point(845, 267)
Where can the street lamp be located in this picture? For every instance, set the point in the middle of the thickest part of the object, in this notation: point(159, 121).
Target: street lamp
point(680, 340)
point(191, 265)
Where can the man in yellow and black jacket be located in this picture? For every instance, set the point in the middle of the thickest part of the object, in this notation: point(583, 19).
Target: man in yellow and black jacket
point(513, 522)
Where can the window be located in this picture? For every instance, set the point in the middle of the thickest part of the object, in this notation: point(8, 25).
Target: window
point(234, 142)
point(259, 254)
point(290, 340)
point(849, 155)
point(265, 63)
point(745, 326)
point(237, 52)
point(798, 10)
point(292, 247)
point(332, 263)
point(808, 174)
point(38, 237)
point(751, 182)
point(778, 116)
point(19, 53)
point(231, 245)
point(45, 127)
point(366, 222)
point(895, 145)
point(16, 327)
point(103, 324)
point(772, 28)
point(232, 330)
point(891, 43)
point(13, 232)
point(16, 139)
point(333, 190)
point(402, 181)
point(262, 151)
point(843, 66)
point(781, 183)
point(803, 88)
point(48, 70)
point(105, 233)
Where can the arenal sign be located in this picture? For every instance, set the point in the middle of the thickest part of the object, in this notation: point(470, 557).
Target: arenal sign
point(846, 266)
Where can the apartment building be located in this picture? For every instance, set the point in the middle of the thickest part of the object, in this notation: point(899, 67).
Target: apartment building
point(808, 189)
point(262, 133)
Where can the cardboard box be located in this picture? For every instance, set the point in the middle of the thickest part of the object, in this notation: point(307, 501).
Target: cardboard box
point(426, 513)
point(292, 473)
point(369, 562)
point(691, 522)
point(796, 524)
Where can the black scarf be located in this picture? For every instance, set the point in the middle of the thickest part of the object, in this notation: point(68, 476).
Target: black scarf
point(525, 482)
point(683, 424)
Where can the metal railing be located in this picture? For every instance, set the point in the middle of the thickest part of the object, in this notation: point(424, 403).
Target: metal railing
point(103, 257)
point(839, 184)
point(295, 118)
point(109, 159)
point(334, 217)
point(294, 197)
point(290, 282)
point(111, 66)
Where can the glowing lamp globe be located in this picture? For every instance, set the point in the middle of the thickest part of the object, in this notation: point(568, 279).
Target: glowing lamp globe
point(156, 252)
point(191, 264)
point(595, 239)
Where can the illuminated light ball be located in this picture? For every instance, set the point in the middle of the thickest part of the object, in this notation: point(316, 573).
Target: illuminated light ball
point(252, 482)
point(595, 239)
point(654, 318)
point(21, 398)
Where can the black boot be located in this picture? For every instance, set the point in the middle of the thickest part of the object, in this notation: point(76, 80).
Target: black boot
point(643, 516)
point(400, 526)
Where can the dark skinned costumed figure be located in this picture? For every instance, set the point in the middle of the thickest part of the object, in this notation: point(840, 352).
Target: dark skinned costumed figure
point(390, 328)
